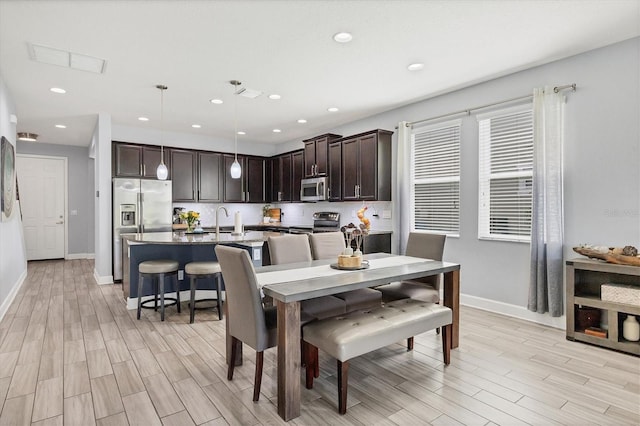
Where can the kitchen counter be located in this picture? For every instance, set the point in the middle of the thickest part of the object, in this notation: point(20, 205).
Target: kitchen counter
point(249, 238)
point(184, 248)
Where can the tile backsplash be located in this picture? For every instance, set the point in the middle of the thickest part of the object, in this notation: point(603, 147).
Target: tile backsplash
point(296, 214)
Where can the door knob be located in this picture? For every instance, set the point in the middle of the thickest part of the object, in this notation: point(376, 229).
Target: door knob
point(59, 223)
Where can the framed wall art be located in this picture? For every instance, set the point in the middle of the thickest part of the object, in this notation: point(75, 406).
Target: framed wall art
point(7, 178)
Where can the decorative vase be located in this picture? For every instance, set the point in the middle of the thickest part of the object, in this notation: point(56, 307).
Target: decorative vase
point(190, 227)
point(357, 253)
point(631, 329)
point(348, 251)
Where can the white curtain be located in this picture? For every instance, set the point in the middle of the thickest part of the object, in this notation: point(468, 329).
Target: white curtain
point(545, 284)
point(403, 190)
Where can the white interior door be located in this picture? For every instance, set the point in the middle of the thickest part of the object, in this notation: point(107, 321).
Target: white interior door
point(41, 183)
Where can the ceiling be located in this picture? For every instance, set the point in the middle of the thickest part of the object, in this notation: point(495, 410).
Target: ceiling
point(277, 47)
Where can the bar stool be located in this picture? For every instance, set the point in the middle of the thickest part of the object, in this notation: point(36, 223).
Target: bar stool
point(158, 270)
point(202, 270)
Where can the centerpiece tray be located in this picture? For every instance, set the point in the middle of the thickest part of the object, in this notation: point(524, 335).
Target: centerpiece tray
point(609, 257)
point(349, 268)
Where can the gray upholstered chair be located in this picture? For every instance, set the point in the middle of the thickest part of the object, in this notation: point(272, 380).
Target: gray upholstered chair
point(328, 245)
point(427, 289)
point(295, 248)
point(426, 246)
point(248, 321)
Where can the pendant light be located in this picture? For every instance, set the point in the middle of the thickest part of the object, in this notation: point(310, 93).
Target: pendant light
point(162, 171)
point(236, 170)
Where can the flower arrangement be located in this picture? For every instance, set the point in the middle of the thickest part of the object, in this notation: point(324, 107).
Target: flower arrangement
point(190, 217)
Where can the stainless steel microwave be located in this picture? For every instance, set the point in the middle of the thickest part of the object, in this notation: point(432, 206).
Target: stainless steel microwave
point(314, 189)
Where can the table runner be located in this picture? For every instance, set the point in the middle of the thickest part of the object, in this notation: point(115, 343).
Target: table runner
point(307, 273)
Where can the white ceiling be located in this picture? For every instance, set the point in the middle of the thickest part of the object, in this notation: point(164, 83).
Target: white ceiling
point(283, 47)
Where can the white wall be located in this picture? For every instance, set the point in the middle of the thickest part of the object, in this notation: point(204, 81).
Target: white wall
point(13, 258)
point(602, 167)
point(101, 141)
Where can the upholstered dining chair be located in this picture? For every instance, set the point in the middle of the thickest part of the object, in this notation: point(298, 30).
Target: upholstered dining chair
point(328, 245)
point(427, 289)
point(295, 248)
point(247, 320)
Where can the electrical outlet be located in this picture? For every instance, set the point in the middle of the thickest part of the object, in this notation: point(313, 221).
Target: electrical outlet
point(74, 213)
point(386, 214)
point(180, 275)
point(257, 253)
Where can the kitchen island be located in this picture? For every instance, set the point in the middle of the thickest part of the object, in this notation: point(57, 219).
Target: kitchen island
point(184, 248)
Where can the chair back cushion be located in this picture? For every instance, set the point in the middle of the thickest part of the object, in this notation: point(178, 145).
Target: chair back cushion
point(246, 318)
point(327, 245)
point(426, 246)
point(290, 248)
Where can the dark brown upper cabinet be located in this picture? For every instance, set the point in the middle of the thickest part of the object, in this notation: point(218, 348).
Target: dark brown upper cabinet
point(234, 188)
point(137, 161)
point(184, 166)
point(209, 177)
point(256, 179)
point(366, 166)
point(335, 171)
point(297, 173)
point(316, 154)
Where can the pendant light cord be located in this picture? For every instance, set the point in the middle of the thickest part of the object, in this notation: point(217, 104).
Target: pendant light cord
point(235, 119)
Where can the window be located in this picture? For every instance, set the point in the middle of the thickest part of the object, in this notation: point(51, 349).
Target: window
point(435, 178)
point(505, 169)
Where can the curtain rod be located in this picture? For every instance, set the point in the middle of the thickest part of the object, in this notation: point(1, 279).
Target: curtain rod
point(467, 111)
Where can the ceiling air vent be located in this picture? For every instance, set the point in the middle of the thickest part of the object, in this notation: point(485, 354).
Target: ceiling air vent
point(64, 58)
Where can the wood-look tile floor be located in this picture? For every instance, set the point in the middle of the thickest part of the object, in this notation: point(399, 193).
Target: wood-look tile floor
point(71, 354)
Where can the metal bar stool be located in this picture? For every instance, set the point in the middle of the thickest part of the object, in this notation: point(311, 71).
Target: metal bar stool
point(158, 270)
point(201, 270)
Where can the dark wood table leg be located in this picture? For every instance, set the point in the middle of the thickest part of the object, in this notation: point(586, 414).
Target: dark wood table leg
point(288, 360)
point(452, 300)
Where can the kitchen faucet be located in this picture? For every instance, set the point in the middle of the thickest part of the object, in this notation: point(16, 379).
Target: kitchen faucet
point(218, 223)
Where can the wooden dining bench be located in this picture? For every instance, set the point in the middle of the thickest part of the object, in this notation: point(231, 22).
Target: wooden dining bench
point(357, 333)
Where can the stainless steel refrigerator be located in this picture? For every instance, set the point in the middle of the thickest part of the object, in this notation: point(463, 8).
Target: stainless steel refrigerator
point(139, 205)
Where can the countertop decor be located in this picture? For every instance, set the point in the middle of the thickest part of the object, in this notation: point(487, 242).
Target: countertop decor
point(612, 255)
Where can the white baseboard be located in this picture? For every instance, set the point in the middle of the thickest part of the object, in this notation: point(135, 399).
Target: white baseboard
point(513, 311)
point(73, 256)
point(132, 302)
point(12, 294)
point(108, 279)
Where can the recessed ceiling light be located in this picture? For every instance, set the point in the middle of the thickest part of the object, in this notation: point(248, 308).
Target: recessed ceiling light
point(61, 126)
point(196, 126)
point(333, 109)
point(241, 132)
point(415, 67)
point(302, 121)
point(143, 119)
point(277, 130)
point(343, 37)
point(216, 101)
point(274, 97)
point(26, 136)
point(58, 90)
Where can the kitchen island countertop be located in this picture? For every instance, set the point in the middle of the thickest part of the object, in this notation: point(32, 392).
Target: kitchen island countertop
point(250, 238)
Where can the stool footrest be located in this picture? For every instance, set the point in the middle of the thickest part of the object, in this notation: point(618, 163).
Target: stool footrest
point(173, 301)
point(205, 307)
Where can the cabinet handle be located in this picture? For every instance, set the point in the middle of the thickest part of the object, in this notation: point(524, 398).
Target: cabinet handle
point(144, 170)
point(141, 170)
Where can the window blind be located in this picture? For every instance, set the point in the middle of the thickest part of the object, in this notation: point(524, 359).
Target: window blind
point(435, 174)
point(505, 174)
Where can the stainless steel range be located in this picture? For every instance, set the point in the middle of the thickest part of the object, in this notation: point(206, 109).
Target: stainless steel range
point(322, 222)
point(326, 222)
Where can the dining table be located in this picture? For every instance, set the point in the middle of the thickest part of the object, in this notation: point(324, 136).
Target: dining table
point(290, 284)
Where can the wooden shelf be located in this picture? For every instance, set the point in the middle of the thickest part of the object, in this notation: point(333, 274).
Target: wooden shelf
point(595, 302)
point(584, 278)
